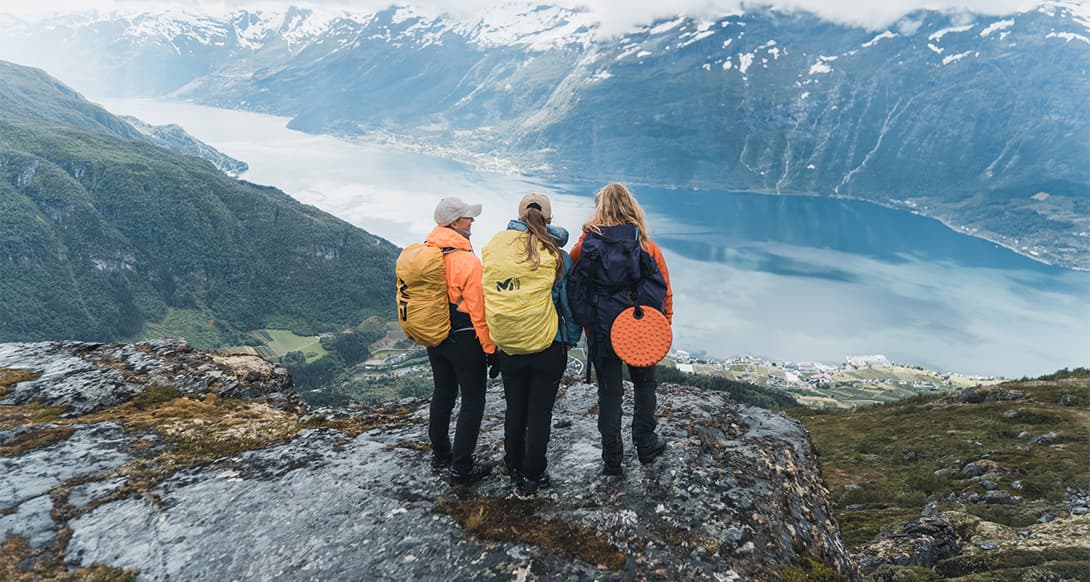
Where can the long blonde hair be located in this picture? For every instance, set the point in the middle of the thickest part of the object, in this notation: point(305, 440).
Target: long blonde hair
point(614, 205)
point(538, 230)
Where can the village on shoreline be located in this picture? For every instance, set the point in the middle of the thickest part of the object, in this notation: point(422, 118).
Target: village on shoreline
point(859, 380)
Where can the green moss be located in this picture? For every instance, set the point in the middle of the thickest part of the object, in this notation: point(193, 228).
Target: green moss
point(358, 424)
point(1015, 562)
point(516, 520)
point(155, 395)
point(808, 570)
point(891, 573)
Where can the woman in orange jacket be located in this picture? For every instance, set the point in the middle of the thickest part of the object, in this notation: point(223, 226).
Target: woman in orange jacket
point(618, 217)
point(459, 364)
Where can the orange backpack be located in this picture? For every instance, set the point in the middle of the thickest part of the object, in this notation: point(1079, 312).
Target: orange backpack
point(423, 309)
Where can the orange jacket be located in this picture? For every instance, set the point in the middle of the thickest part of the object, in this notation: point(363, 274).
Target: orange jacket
point(463, 280)
point(656, 253)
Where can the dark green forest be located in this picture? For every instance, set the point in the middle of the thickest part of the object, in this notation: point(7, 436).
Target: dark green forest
point(102, 233)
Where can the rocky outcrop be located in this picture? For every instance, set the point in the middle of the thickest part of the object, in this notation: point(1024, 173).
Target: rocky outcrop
point(84, 377)
point(176, 139)
point(182, 464)
point(921, 542)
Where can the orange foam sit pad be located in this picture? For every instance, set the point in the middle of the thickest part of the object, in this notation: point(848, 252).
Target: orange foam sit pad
point(643, 341)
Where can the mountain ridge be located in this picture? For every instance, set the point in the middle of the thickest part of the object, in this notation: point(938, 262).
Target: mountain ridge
point(975, 120)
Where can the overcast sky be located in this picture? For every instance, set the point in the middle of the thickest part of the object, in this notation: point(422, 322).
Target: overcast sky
point(616, 15)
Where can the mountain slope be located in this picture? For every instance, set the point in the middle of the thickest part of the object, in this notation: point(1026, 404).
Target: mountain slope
point(981, 121)
point(101, 235)
point(175, 139)
point(1002, 469)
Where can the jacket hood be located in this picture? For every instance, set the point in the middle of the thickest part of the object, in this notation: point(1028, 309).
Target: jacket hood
point(558, 232)
point(446, 237)
point(619, 232)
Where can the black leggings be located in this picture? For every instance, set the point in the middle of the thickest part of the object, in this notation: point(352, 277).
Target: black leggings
point(530, 383)
point(610, 388)
point(457, 365)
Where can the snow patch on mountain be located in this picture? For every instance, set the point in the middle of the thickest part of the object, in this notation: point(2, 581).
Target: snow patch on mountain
point(170, 28)
point(1068, 36)
point(937, 36)
point(667, 26)
point(744, 62)
point(539, 28)
point(955, 58)
point(996, 26)
point(874, 41)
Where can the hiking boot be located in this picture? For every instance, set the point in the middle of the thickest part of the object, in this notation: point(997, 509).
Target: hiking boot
point(512, 472)
point(654, 448)
point(475, 473)
point(531, 485)
point(612, 470)
point(439, 462)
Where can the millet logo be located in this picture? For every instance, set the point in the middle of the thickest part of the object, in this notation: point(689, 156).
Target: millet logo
point(510, 284)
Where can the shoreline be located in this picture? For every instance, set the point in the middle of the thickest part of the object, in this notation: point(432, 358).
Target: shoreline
point(509, 167)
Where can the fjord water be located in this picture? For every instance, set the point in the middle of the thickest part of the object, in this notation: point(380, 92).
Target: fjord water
point(786, 277)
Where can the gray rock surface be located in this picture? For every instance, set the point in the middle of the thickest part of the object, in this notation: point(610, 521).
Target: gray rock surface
point(737, 495)
point(921, 542)
point(85, 377)
point(26, 480)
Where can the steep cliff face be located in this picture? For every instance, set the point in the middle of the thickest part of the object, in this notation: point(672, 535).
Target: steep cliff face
point(156, 459)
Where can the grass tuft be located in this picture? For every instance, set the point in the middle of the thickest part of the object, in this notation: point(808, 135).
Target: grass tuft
point(12, 376)
point(516, 521)
point(19, 562)
point(808, 570)
point(36, 437)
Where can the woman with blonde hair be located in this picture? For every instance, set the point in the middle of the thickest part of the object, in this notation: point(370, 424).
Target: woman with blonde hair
point(617, 265)
point(524, 274)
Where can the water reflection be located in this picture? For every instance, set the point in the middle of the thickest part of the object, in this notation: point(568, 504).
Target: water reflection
point(786, 277)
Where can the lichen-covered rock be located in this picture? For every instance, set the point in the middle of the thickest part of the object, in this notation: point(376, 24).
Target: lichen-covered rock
point(921, 542)
point(350, 494)
point(85, 377)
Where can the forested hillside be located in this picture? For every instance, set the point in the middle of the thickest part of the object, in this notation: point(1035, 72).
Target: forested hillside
point(100, 234)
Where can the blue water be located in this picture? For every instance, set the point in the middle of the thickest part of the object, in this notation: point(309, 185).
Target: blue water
point(789, 278)
point(715, 223)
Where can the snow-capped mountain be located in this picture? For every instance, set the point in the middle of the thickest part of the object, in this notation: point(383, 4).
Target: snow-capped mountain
point(983, 121)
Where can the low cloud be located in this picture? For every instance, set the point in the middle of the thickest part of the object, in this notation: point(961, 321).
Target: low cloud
point(616, 16)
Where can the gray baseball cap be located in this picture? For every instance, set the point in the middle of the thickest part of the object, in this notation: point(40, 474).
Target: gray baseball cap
point(450, 209)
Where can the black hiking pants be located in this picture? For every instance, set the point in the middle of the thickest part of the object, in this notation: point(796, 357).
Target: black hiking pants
point(610, 389)
point(457, 365)
point(530, 383)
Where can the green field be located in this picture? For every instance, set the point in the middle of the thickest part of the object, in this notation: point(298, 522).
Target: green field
point(199, 328)
point(282, 341)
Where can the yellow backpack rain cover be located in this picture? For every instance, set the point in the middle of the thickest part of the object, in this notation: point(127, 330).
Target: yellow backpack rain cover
point(423, 309)
point(518, 300)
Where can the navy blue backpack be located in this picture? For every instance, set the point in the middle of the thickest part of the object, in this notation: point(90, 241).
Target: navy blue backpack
point(612, 274)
